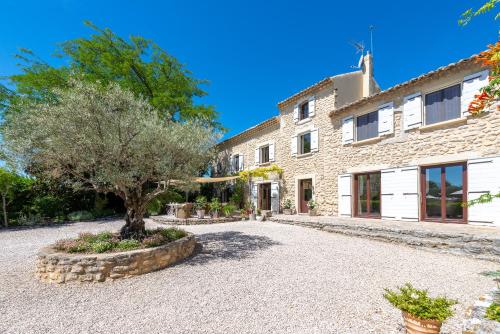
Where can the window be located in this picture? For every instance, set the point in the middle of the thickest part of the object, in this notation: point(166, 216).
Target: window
point(264, 154)
point(236, 162)
point(442, 105)
point(367, 126)
point(304, 111)
point(305, 143)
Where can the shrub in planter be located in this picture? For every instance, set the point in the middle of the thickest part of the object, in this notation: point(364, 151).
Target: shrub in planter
point(287, 207)
point(200, 204)
point(312, 208)
point(215, 207)
point(421, 313)
point(228, 209)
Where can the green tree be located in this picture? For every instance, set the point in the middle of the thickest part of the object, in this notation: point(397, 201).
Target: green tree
point(109, 140)
point(7, 184)
point(138, 65)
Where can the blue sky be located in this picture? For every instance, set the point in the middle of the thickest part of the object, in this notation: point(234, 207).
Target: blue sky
point(256, 53)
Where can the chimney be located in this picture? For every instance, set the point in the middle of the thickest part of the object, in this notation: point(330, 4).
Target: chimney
point(367, 69)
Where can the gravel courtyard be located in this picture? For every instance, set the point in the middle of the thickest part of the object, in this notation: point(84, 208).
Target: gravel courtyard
point(248, 278)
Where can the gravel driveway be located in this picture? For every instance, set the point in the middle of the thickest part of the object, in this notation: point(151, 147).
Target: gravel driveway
point(249, 278)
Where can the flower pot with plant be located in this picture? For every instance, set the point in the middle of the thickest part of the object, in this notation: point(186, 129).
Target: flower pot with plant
point(313, 210)
point(287, 207)
point(215, 207)
point(421, 313)
point(200, 204)
point(228, 209)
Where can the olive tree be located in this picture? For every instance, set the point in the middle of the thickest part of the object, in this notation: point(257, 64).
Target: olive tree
point(108, 139)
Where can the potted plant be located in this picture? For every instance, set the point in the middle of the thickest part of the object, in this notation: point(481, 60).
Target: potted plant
point(313, 211)
point(200, 204)
point(215, 207)
point(243, 214)
point(228, 209)
point(421, 313)
point(252, 214)
point(287, 207)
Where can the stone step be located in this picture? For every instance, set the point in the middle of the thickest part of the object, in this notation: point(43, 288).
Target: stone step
point(480, 247)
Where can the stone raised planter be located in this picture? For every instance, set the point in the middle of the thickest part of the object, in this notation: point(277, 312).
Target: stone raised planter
point(58, 267)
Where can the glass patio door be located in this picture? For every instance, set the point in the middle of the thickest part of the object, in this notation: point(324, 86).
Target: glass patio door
point(367, 195)
point(444, 192)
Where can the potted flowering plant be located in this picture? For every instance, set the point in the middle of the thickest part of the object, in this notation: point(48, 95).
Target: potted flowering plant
point(253, 215)
point(200, 204)
point(421, 313)
point(287, 207)
point(215, 206)
point(313, 211)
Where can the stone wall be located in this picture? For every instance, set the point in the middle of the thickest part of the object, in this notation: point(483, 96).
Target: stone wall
point(462, 140)
point(54, 266)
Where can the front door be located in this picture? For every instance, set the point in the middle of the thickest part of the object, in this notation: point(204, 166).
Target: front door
point(306, 194)
point(367, 195)
point(265, 196)
point(443, 192)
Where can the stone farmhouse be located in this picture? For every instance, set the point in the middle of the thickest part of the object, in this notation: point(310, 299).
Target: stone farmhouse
point(410, 152)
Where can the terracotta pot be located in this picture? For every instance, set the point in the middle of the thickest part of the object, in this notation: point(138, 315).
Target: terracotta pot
point(416, 325)
point(200, 213)
point(253, 216)
point(287, 211)
point(215, 214)
point(313, 212)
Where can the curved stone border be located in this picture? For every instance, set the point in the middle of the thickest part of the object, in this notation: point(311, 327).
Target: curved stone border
point(193, 221)
point(57, 267)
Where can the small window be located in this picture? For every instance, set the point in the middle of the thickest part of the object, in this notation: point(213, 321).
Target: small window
point(236, 162)
point(367, 126)
point(305, 143)
point(304, 111)
point(442, 105)
point(264, 154)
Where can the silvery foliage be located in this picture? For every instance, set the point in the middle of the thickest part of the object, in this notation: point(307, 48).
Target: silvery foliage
point(106, 138)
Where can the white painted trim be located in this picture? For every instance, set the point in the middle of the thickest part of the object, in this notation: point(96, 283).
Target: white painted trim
point(304, 177)
point(443, 159)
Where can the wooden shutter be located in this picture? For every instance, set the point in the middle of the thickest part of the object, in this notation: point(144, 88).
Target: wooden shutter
point(312, 106)
point(390, 196)
point(344, 195)
point(314, 140)
point(412, 111)
point(471, 86)
point(348, 130)
point(482, 177)
point(271, 152)
point(254, 194)
point(257, 155)
point(275, 197)
point(407, 190)
point(386, 119)
point(241, 164)
point(296, 113)
point(293, 145)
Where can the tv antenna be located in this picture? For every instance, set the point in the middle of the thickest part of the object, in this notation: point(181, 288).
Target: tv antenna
point(371, 27)
point(360, 48)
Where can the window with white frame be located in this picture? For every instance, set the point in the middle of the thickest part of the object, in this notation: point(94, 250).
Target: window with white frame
point(304, 111)
point(367, 126)
point(442, 105)
point(264, 154)
point(305, 143)
point(236, 162)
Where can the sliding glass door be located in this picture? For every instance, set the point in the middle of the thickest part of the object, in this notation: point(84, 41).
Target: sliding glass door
point(443, 190)
point(367, 187)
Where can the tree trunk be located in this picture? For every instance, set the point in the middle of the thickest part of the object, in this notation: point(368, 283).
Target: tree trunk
point(134, 227)
point(4, 207)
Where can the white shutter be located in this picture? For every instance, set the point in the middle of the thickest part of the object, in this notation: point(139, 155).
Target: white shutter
point(271, 152)
point(241, 164)
point(257, 156)
point(348, 130)
point(407, 189)
point(471, 86)
point(386, 119)
point(412, 111)
point(254, 194)
point(314, 140)
point(344, 195)
point(296, 113)
point(293, 145)
point(482, 176)
point(231, 164)
point(275, 197)
point(312, 105)
point(389, 179)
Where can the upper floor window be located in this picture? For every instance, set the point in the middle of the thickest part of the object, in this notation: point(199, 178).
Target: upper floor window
point(367, 126)
point(236, 162)
point(304, 111)
point(443, 105)
point(264, 154)
point(305, 143)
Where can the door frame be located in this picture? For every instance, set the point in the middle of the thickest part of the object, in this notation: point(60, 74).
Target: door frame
point(423, 184)
point(355, 195)
point(298, 180)
point(260, 193)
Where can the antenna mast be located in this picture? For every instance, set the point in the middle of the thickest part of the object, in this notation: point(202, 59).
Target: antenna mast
point(371, 27)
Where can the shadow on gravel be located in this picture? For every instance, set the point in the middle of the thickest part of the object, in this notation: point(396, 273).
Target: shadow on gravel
point(229, 245)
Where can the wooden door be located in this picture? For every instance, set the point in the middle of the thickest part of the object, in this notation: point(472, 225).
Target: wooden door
point(306, 194)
